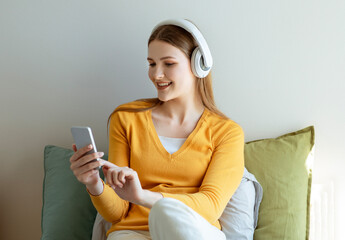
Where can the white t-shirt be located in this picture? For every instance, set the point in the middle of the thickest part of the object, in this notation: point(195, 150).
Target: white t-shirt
point(172, 144)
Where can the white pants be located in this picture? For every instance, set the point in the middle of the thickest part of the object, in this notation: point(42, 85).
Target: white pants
point(171, 219)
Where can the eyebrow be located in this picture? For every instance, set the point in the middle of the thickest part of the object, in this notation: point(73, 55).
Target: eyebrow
point(161, 58)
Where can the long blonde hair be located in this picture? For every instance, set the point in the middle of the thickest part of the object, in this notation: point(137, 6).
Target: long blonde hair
point(183, 40)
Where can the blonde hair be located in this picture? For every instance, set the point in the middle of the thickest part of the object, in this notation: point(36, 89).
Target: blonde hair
point(183, 40)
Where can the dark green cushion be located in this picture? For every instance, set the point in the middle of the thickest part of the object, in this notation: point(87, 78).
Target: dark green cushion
point(67, 211)
point(281, 167)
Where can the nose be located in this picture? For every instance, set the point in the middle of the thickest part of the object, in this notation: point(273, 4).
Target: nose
point(157, 72)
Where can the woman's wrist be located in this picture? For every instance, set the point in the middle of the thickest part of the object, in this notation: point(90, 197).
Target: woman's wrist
point(95, 189)
point(149, 198)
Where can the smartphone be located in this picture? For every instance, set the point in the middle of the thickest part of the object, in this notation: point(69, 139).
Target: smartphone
point(83, 136)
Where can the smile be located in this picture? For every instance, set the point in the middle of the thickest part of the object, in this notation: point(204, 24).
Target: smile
point(162, 86)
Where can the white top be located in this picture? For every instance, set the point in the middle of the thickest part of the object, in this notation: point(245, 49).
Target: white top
point(172, 144)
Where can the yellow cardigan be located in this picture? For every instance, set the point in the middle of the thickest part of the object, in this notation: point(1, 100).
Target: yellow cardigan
point(204, 173)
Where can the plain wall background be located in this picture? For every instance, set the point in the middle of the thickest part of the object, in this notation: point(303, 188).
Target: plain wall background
point(279, 67)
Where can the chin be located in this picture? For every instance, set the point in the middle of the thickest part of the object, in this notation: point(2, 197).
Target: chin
point(163, 99)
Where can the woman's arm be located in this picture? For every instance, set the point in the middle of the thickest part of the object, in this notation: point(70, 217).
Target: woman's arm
point(150, 198)
point(103, 196)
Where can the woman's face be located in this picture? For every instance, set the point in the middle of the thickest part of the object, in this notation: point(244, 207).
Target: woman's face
point(170, 71)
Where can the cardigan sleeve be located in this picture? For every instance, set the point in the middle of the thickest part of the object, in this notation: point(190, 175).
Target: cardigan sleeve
point(222, 177)
point(108, 203)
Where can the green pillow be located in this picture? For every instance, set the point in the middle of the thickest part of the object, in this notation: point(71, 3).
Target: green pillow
point(67, 211)
point(281, 167)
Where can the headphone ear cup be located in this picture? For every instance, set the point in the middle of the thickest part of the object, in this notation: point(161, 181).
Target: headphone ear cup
point(196, 64)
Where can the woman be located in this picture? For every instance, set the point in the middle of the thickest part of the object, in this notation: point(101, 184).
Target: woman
point(174, 161)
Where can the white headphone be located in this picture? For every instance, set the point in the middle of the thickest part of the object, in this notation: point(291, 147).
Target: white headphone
point(201, 60)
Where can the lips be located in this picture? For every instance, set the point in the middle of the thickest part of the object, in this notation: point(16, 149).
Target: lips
point(163, 85)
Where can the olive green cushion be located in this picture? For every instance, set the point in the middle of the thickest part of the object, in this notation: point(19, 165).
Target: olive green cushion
point(281, 167)
point(67, 211)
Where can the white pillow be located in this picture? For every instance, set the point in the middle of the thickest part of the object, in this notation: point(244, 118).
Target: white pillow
point(240, 216)
point(100, 228)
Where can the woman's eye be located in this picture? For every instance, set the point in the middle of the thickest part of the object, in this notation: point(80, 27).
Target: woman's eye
point(166, 64)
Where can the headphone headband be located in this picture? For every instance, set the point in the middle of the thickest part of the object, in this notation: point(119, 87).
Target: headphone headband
point(206, 56)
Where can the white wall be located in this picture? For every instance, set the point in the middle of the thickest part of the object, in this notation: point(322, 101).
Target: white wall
point(279, 67)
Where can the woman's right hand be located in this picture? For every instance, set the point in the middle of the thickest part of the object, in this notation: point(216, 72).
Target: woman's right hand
point(86, 170)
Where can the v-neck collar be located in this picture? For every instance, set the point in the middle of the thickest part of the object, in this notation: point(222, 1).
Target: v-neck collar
point(158, 143)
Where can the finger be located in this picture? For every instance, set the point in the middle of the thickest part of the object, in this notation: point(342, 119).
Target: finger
point(80, 152)
point(89, 158)
point(115, 179)
point(109, 177)
point(132, 176)
point(108, 164)
point(87, 167)
point(125, 173)
point(86, 159)
point(121, 177)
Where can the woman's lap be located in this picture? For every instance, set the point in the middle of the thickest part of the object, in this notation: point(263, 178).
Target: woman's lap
point(129, 235)
point(171, 219)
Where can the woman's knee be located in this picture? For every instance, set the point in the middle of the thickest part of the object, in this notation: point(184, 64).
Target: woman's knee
point(167, 220)
point(164, 208)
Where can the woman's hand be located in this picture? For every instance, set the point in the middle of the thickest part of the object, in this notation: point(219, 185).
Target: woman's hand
point(86, 170)
point(126, 183)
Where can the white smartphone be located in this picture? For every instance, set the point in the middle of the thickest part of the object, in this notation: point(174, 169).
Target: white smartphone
point(83, 136)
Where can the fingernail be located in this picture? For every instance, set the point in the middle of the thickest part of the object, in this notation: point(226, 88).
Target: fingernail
point(90, 146)
point(102, 153)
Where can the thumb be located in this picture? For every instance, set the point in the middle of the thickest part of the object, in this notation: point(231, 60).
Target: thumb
point(105, 172)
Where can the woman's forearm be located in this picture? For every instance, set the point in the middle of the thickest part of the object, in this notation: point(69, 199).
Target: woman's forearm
point(149, 198)
point(95, 189)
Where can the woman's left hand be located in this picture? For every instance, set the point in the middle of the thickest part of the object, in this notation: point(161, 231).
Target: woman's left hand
point(124, 181)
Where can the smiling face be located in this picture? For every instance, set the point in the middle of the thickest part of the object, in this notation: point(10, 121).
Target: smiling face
point(170, 71)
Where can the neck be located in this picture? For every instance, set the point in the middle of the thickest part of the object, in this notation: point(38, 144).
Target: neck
point(182, 111)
